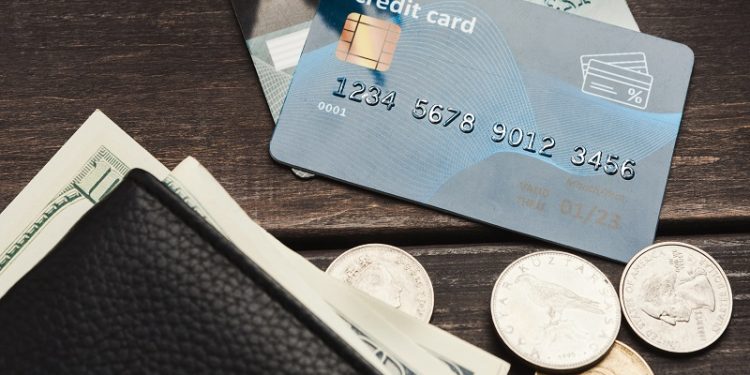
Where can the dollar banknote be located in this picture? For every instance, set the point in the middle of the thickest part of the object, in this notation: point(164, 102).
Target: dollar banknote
point(382, 327)
point(460, 356)
point(395, 350)
point(89, 166)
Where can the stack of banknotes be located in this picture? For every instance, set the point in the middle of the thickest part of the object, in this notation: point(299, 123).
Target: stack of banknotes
point(97, 157)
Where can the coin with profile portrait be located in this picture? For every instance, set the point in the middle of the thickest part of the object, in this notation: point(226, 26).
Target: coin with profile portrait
point(676, 297)
point(388, 274)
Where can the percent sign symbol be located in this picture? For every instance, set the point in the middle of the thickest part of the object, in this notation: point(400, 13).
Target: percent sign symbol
point(635, 95)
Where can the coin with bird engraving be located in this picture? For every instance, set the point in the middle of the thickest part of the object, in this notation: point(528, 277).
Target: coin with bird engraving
point(620, 360)
point(676, 297)
point(555, 310)
point(388, 274)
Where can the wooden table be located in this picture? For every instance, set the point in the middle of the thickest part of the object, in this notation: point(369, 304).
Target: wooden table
point(176, 76)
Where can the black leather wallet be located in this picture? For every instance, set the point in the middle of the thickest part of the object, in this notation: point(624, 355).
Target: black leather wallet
point(143, 285)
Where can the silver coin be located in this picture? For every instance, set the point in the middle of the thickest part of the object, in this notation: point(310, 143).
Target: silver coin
point(302, 174)
point(676, 297)
point(555, 310)
point(388, 274)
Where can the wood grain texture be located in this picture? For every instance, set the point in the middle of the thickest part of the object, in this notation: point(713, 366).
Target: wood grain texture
point(463, 278)
point(175, 75)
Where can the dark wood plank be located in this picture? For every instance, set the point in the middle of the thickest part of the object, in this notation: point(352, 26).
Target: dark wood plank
point(463, 278)
point(176, 76)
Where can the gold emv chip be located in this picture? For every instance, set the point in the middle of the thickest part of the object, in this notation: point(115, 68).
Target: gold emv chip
point(368, 41)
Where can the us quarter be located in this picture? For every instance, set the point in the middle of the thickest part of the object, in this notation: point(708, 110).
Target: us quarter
point(676, 297)
point(388, 274)
point(555, 310)
point(621, 360)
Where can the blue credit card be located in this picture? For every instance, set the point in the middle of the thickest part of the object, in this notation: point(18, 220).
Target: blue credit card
point(504, 112)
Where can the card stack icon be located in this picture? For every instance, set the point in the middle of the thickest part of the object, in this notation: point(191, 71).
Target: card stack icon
point(368, 41)
point(619, 77)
